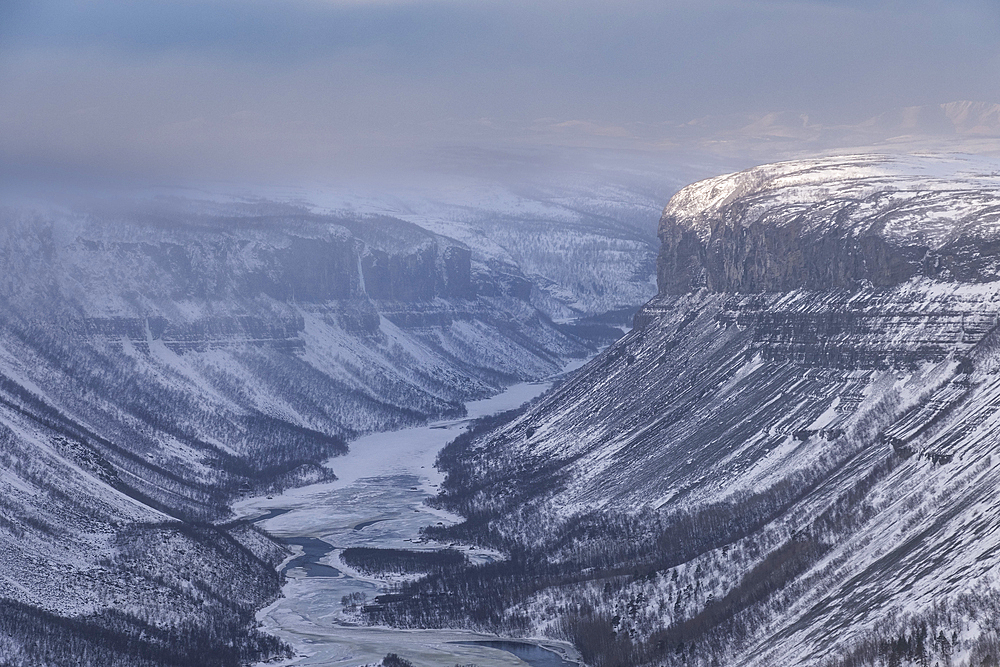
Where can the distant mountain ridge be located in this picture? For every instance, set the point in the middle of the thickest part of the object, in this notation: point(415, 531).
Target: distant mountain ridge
point(962, 118)
point(959, 126)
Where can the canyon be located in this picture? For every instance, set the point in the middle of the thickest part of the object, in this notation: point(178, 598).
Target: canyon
point(163, 356)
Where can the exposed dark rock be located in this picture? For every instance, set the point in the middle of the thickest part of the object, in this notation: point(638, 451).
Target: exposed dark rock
point(828, 225)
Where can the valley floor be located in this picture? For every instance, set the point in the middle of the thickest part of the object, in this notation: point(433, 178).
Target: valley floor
point(377, 501)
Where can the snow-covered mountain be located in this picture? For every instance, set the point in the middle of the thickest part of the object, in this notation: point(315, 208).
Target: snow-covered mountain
point(586, 240)
point(789, 460)
point(161, 356)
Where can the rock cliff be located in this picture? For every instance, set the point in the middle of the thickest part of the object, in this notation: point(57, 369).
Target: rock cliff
point(159, 360)
point(790, 459)
point(835, 223)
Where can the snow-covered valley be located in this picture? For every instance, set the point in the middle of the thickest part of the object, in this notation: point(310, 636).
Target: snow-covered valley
point(788, 459)
point(164, 356)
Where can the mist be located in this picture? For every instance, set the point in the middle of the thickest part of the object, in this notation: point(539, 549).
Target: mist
point(100, 92)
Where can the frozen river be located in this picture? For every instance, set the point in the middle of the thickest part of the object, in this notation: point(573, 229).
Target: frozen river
point(378, 501)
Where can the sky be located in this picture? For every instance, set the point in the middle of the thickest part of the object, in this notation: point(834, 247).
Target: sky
point(286, 89)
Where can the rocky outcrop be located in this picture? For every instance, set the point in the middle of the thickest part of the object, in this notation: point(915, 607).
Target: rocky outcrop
point(832, 223)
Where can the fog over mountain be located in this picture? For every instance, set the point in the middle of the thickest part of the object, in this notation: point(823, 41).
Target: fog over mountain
point(280, 90)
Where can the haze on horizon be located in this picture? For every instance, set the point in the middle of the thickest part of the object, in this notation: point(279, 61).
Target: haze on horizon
point(287, 89)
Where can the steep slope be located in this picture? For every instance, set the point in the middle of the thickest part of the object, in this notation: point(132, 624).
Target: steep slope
point(788, 460)
point(586, 239)
point(159, 360)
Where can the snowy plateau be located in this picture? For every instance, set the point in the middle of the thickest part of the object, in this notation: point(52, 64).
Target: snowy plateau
point(166, 354)
point(787, 461)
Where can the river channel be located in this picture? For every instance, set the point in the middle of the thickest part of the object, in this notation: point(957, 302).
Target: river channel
point(378, 501)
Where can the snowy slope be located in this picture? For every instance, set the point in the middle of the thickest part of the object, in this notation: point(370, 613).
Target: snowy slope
point(790, 459)
point(160, 357)
point(585, 240)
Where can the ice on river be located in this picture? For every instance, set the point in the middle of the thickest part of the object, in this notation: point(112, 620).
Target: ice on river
point(377, 501)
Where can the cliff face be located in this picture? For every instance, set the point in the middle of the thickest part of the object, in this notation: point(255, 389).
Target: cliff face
point(156, 365)
point(790, 459)
point(295, 257)
point(829, 224)
point(161, 356)
point(334, 325)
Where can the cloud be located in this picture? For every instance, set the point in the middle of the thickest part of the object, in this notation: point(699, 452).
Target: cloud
point(288, 86)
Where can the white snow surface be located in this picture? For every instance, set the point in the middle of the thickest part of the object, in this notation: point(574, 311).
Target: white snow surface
point(972, 181)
